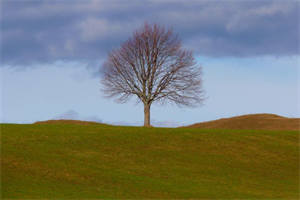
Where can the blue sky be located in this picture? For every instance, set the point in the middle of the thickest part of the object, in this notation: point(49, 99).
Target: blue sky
point(234, 86)
point(52, 52)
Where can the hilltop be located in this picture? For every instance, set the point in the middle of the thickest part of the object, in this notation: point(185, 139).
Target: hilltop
point(252, 122)
point(243, 122)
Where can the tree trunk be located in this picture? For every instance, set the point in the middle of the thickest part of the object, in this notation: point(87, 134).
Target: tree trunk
point(147, 115)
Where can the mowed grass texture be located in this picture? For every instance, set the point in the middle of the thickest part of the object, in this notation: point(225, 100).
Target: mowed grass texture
point(65, 161)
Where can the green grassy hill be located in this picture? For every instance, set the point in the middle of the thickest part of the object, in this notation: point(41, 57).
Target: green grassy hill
point(77, 161)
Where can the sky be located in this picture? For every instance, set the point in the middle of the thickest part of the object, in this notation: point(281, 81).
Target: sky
point(52, 52)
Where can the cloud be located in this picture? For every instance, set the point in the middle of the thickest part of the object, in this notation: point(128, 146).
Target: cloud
point(93, 29)
point(70, 114)
point(73, 115)
point(157, 123)
point(47, 31)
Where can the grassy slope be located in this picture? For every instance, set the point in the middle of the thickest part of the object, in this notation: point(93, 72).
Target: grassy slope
point(253, 122)
point(98, 161)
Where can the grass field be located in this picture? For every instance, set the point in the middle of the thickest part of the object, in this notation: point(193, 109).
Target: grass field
point(66, 161)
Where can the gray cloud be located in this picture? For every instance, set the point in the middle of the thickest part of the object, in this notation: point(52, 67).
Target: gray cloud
point(70, 114)
point(155, 123)
point(74, 115)
point(46, 31)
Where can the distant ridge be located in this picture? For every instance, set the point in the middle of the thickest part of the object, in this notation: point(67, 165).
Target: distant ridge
point(252, 122)
point(67, 121)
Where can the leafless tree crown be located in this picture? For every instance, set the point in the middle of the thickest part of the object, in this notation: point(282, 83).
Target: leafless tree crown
point(153, 66)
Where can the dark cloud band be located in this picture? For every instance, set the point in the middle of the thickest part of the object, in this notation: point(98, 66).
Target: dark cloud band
point(46, 31)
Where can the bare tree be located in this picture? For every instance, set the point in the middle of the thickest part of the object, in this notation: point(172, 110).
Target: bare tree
point(152, 66)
